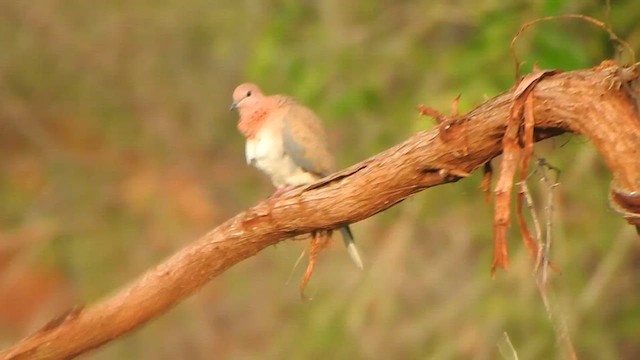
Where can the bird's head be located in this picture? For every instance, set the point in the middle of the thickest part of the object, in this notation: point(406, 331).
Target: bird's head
point(245, 96)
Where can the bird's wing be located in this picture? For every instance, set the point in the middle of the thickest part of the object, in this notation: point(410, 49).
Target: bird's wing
point(304, 139)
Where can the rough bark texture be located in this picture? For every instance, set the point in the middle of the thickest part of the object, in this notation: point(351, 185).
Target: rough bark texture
point(598, 103)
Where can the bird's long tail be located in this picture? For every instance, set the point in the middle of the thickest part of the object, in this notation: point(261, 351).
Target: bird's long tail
point(347, 236)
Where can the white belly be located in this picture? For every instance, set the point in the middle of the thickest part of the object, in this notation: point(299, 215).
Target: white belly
point(266, 152)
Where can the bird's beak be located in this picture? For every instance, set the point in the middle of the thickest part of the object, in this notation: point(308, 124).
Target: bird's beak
point(234, 105)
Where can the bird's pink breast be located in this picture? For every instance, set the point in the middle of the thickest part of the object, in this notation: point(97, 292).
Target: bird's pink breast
point(251, 122)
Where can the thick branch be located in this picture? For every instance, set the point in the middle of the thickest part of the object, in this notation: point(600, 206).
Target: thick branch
point(595, 103)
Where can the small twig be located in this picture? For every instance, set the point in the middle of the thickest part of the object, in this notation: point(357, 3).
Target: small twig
point(509, 352)
point(524, 190)
point(543, 255)
point(543, 165)
point(295, 265)
point(559, 323)
point(432, 113)
point(544, 245)
point(548, 237)
point(600, 24)
point(607, 13)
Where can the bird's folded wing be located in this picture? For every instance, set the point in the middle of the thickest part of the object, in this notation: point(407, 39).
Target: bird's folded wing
point(305, 141)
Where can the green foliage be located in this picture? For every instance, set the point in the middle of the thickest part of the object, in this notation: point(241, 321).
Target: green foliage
point(117, 148)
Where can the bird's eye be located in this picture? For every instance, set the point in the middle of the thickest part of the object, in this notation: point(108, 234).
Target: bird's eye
point(249, 93)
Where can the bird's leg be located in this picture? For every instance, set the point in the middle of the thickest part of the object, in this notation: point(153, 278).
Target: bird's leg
point(315, 236)
point(319, 240)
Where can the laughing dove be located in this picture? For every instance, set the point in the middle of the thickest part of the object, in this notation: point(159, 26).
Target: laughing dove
point(287, 142)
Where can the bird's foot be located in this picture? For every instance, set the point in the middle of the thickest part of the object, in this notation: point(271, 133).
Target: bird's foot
point(319, 241)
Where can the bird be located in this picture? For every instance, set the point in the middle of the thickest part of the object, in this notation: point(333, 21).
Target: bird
point(287, 142)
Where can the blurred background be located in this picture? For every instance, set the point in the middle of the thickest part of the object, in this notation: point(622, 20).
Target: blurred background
point(117, 149)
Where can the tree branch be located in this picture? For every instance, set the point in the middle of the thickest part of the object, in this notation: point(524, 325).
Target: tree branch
point(599, 103)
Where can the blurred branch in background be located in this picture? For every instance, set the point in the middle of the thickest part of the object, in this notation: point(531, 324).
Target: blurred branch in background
point(561, 102)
